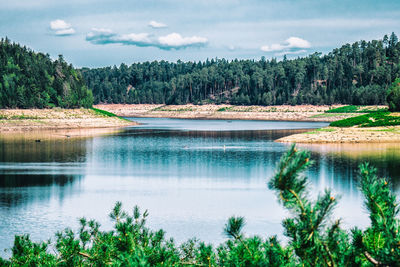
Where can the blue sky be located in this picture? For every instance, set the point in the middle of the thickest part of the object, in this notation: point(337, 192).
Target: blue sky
point(96, 33)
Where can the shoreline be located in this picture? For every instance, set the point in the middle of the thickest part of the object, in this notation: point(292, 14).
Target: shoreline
point(66, 123)
point(227, 112)
point(351, 135)
point(57, 122)
point(306, 113)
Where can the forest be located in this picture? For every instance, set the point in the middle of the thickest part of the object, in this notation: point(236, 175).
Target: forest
point(33, 80)
point(358, 73)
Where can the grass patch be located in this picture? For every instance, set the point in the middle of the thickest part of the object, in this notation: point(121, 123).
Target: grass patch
point(328, 115)
point(224, 109)
point(321, 130)
point(103, 112)
point(106, 113)
point(273, 109)
point(164, 108)
point(388, 130)
point(356, 109)
point(375, 119)
point(18, 117)
point(235, 109)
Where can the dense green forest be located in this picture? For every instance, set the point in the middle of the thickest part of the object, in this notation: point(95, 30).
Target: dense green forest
point(29, 79)
point(313, 237)
point(358, 73)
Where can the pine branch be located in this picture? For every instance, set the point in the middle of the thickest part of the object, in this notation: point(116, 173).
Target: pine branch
point(372, 260)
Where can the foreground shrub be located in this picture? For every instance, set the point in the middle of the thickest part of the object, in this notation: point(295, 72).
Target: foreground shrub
point(314, 238)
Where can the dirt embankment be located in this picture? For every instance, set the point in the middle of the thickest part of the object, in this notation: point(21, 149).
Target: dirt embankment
point(228, 112)
point(346, 135)
point(69, 121)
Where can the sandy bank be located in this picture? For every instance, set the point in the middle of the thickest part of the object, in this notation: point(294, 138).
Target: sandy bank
point(58, 122)
point(346, 135)
point(229, 112)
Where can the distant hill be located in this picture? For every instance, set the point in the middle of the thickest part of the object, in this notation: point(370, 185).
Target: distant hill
point(33, 80)
point(357, 73)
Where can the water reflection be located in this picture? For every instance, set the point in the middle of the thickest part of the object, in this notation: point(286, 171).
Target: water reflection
point(12, 180)
point(345, 158)
point(26, 190)
point(48, 150)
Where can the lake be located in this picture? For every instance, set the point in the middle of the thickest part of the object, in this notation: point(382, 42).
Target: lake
point(191, 175)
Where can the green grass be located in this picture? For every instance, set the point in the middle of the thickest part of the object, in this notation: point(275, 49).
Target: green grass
point(106, 113)
point(224, 109)
point(355, 109)
point(321, 130)
point(18, 117)
point(388, 130)
point(375, 119)
point(103, 112)
point(326, 115)
point(236, 109)
point(164, 108)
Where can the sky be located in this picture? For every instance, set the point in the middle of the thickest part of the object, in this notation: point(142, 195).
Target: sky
point(97, 33)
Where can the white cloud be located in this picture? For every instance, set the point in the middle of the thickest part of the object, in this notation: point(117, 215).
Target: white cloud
point(133, 37)
point(271, 48)
point(61, 28)
point(69, 31)
point(156, 25)
point(59, 24)
point(175, 40)
point(290, 45)
point(296, 42)
point(106, 36)
point(168, 42)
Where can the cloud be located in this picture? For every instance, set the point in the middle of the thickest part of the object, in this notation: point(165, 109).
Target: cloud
point(296, 42)
point(157, 25)
point(290, 45)
point(100, 36)
point(175, 40)
point(106, 36)
point(133, 38)
point(168, 42)
point(61, 28)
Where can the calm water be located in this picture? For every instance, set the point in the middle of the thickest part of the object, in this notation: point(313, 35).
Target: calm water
point(190, 174)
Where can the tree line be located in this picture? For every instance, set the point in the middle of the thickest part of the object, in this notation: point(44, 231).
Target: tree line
point(33, 80)
point(358, 73)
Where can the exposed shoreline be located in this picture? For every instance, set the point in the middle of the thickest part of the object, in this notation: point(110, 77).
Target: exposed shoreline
point(57, 123)
point(346, 135)
point(226, 112)
point(279, 113)
point(66, 123)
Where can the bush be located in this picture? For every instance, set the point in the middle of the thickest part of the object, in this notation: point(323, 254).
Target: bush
point(313, 238)
point(393, 96)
